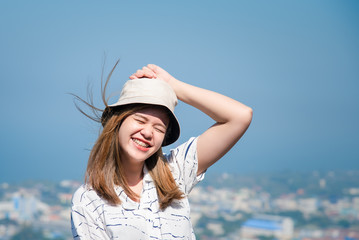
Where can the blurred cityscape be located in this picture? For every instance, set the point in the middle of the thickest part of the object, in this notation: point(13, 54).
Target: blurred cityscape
point(283, 206)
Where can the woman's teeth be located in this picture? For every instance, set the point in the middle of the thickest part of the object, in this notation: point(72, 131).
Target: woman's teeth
point(142, 144)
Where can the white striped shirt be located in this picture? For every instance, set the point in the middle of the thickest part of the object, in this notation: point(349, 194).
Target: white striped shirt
point(93, 218)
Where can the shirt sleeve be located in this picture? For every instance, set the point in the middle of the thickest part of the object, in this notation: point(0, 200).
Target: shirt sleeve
point(86, 222)
point(183, 162)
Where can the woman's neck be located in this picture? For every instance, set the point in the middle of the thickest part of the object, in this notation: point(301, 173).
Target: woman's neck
point(134, 174)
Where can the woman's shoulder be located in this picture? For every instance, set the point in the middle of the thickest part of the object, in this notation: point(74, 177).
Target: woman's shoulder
point(182, 150)
point(84, 195)
point(183, 163)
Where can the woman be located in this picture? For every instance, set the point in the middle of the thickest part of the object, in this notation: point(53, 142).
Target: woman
point(132, 190)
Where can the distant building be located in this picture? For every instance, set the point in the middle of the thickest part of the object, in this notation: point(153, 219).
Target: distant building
point(267, 225)
point(308, 205)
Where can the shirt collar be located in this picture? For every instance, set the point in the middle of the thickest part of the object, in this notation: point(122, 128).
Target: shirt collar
point(149, 198)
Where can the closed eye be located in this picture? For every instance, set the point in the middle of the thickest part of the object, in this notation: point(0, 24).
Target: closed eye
point(140, 121)
point(160, 130)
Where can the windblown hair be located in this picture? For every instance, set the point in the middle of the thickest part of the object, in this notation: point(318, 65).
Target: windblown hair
point(105, 169)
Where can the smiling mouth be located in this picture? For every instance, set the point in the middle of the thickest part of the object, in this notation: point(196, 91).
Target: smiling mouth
point(140, 143)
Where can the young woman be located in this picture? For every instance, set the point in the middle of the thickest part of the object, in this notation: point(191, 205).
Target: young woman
point(132, 190)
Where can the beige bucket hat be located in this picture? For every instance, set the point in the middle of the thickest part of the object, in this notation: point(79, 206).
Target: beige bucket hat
point(152, 91)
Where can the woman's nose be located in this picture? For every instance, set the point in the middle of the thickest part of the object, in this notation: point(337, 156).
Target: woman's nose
point(147, 131)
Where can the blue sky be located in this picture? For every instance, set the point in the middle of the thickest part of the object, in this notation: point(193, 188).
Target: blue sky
point(296, 63)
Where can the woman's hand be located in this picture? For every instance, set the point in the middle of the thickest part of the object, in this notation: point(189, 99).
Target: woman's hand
point(153, 71)
point(145, 72)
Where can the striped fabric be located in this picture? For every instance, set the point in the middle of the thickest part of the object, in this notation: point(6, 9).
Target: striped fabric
point(93, 218)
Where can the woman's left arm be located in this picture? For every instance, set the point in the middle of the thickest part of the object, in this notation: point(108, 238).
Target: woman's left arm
point(232, 117)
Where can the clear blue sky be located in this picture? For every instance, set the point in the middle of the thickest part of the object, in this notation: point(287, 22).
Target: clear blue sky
point(296, 63)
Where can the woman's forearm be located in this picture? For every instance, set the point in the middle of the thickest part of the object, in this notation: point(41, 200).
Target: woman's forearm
point(220, 108)
point(232, 120)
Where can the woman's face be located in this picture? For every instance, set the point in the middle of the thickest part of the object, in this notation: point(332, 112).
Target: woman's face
point(141, 134)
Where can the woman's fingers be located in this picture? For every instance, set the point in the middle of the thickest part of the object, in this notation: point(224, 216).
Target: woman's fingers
point(136, 75)
point(144, 72)
point(148, 72)
point(153, 67)
point(160, 72)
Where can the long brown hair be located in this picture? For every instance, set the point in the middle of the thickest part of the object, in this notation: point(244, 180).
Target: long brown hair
point(105, 169)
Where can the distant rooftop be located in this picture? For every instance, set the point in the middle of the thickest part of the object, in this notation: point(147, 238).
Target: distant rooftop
point(267, 222)
point(262, 224)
